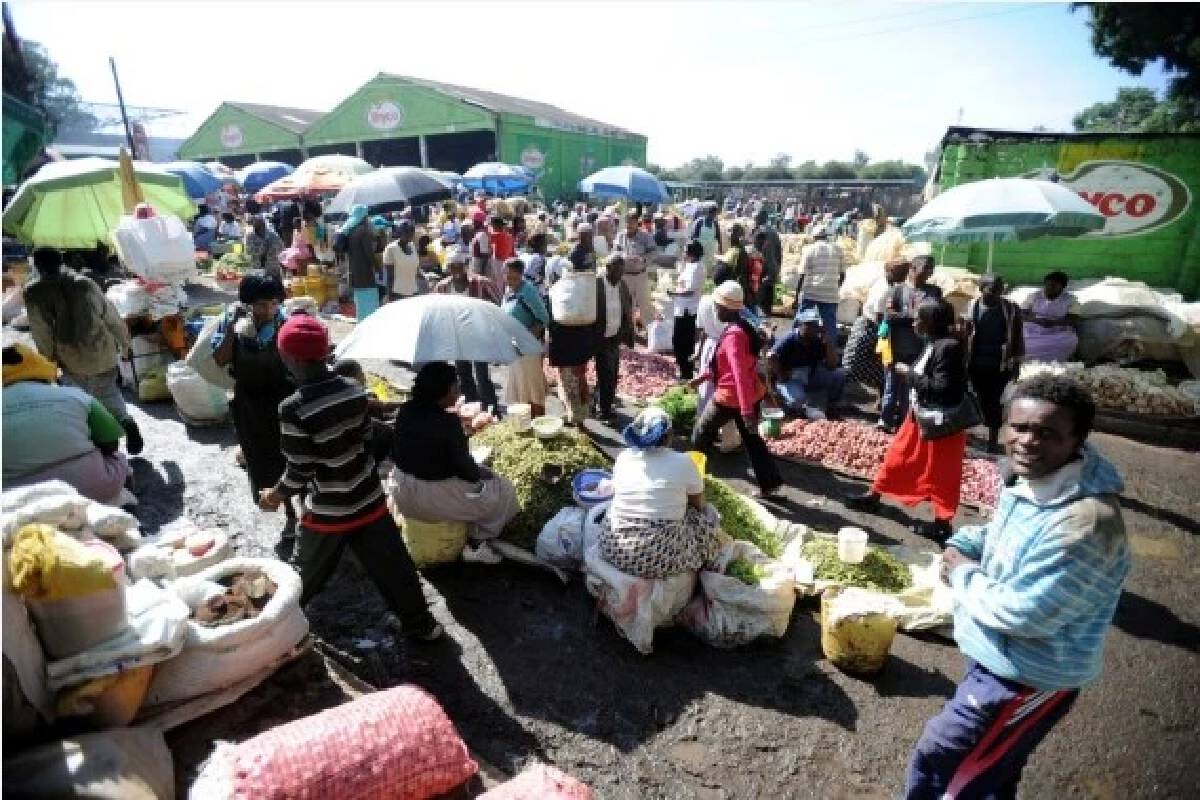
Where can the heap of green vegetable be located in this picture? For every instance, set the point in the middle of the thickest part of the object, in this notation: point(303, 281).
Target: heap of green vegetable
point(680, 404)
point(522, 458)
point(745, 571)
point(737, 518)
point(880, 570)
point(234, 261)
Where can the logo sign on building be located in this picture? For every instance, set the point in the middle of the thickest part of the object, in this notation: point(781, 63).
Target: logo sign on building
point(385, 116)
point(1134, 198)
point(231, 136)
point(533, 158)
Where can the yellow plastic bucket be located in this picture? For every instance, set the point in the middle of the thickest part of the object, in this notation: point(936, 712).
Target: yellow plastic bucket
point(859, 644)
point(699, 459)
point(432, 543)
point(237, 248)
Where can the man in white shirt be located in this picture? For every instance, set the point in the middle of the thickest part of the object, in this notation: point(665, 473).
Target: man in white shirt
point(402, 263)
point(822, 270)
point(616, 329)
point(638, 247)
point(688, 288)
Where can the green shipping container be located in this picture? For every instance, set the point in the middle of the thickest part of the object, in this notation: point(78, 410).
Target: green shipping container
point(1144, 184)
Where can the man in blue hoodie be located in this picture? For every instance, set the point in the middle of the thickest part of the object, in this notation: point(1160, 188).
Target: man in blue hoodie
point(1035, 591)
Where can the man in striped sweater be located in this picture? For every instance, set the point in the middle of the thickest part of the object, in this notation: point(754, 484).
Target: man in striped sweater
point(325, 429)
point(1035, 591)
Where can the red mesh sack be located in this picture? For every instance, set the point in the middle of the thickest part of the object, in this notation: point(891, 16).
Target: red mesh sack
point(391, 744)
point(540, 782)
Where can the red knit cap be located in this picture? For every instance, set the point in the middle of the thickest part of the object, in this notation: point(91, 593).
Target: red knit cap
point(304, 338)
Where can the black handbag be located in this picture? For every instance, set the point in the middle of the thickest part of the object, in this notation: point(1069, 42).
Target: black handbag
point(938, 422)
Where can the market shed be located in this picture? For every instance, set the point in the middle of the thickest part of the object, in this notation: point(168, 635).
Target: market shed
point(1145, 184)
point(238, 134)
point(396, 120)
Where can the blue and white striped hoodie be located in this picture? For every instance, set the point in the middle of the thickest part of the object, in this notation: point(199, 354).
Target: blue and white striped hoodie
point(1051, 563)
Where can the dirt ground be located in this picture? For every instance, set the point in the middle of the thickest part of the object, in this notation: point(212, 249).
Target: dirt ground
point(530, 672)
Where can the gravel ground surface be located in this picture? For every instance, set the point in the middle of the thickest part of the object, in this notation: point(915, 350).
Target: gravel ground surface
point(529, 671)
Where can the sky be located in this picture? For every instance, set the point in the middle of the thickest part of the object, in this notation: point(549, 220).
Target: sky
point(739, 80)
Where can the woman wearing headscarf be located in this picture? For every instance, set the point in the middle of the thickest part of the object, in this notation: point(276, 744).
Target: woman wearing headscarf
point(245, 343)
point(54, 432)
point(436, 478)
point(658, 523)
point(74, 325)
point(359, 236)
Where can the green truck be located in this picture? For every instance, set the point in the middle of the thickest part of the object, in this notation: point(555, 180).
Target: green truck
point(1144, 184)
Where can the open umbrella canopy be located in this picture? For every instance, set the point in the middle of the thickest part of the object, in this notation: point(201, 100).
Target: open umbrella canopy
point(320, 175)
point(1003, 209)
point(220, 170)
point(440, 327)
point(631, 183)
point(389, 189)
point(197, 179)
point(260, 173)
point(494, 177)
point(76, 204)
point(451, 179)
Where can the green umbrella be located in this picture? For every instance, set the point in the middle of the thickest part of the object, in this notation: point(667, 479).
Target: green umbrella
point(77, 204)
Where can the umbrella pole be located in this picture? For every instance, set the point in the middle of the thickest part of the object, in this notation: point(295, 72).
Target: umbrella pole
point(991, 245)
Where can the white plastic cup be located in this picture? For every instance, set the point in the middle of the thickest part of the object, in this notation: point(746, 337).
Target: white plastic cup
point(852, 545)
point(519, 416)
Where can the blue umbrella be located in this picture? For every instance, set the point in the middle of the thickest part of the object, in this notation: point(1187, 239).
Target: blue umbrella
point(494, 177)
point(631, 183)
point(260, 173)
point(198, 182)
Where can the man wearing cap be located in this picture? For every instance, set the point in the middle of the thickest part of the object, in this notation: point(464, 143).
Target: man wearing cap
point(325, 435)
point(805, 360)
point(822, 271)
point(474, 377)
point(739, 389)
point(637, 246)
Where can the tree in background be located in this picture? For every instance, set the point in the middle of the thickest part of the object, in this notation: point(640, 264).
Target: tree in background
point(32, 76)
point(861, 159)
point(1131, 36)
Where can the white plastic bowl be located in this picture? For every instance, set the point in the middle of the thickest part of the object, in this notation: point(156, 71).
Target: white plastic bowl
point(547, 427)
point(852, 545)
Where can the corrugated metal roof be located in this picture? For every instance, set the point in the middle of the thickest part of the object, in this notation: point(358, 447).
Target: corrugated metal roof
point(295, 120)
point(542, 113)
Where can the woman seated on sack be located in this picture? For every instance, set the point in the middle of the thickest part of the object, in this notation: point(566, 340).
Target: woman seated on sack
point(1051, 314)
point(658, 523)
point(54, 432)
point(436, 478)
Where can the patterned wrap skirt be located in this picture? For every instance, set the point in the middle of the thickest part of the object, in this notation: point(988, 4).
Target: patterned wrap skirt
point(654, 548)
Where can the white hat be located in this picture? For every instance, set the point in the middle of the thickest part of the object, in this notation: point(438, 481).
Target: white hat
point(583, 227)
point(729, 295)
point(819, 230)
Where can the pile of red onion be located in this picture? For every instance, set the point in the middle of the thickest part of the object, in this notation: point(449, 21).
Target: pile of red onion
point(858, 449)
point(642, 374)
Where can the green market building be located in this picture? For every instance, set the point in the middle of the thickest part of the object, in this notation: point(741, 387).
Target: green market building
point(395, 120)
point(1145, 184)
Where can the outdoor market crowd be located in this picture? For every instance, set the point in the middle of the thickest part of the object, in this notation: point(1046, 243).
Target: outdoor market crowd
point(1036, 588)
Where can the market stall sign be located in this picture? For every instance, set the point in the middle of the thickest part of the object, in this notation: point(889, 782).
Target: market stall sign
point(385, 116)
point(231, 136)
point(533, 158)
point(1134, 198)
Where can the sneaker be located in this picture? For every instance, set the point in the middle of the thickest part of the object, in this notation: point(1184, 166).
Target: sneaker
point(133, 437)
point(481, 553)
point(938, 530)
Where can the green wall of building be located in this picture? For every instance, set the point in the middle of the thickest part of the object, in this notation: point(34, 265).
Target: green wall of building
point(561, 158)
point(1147, 186)
point(231, 131)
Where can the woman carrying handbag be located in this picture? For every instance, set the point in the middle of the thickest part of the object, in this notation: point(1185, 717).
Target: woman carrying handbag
point(925, 459)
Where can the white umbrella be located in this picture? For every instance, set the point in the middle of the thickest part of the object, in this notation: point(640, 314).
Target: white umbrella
point(439, 327)
point(1004, 209)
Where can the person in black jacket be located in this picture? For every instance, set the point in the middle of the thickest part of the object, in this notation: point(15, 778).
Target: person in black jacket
point(436, 478)
point(916, 469)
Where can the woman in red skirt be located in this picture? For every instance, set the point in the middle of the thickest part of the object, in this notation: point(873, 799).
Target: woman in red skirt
point(916, 469)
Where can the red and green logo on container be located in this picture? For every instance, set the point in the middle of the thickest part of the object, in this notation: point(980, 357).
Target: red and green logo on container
point(1134, 198)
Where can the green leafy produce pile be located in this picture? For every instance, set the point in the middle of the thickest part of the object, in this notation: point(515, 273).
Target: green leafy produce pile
point(737, 518)
point(745, 571)
point(880, 570)
point(520, 457)
point(680, 404)
point(234, 261)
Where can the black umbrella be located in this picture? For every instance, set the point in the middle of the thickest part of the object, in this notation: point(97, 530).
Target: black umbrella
point(388, 189)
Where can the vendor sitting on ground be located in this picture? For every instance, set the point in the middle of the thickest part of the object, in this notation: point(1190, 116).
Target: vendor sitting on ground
point(54, 432)
point(436, 478)
point(805, 360)
point(658, 524)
